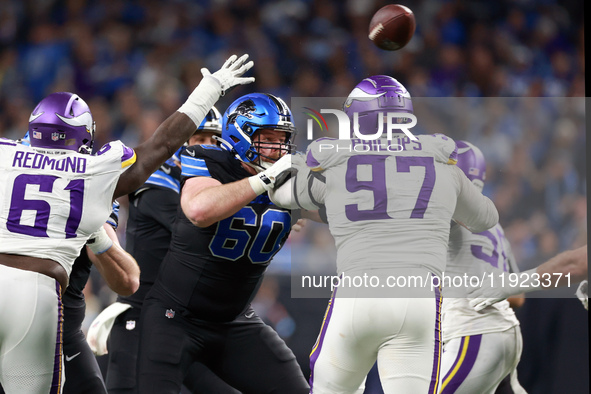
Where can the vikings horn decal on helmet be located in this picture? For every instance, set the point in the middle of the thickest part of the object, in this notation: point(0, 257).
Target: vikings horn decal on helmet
point(375, 95)
point(250, 113)
point(472, 162)
point(62, 121)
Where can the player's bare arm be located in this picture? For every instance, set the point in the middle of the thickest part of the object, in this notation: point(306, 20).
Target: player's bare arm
point(180, 126)
point(567, 267)
point(119, 269)
point(206, 201)
point(573, 262)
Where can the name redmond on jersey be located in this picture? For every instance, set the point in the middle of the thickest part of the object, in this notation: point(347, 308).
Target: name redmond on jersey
point(35, 160)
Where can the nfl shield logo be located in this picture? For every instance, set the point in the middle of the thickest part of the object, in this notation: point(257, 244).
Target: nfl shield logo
point(169, 313)
point(55, 136)
point(130, 325)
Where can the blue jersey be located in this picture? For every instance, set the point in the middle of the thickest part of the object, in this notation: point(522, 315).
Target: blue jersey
point(214, 272)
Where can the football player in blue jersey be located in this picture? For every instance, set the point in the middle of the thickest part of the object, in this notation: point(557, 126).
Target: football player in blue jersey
point(152, 211)
point(223, 239)
point(54, 195)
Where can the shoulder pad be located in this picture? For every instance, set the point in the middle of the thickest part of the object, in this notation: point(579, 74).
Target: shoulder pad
point(128, 156)
point(320, 153)
point(442, 147)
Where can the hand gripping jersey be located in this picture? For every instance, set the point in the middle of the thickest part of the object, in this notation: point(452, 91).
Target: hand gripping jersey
point(51, 202)
point(469, 254)
point(215, 271)
point(389, 203)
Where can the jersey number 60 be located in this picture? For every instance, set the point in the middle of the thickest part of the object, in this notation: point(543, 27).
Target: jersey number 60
point(233, 238)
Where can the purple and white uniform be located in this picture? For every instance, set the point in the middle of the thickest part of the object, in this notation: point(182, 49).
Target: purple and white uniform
point(389, 212)
point(480, 348)
point(51, 201)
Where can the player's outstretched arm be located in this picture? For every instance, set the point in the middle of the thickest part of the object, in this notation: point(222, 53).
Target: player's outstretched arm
point(178, 127)
point(572, 262)
point(119, 269)
point(206, 201)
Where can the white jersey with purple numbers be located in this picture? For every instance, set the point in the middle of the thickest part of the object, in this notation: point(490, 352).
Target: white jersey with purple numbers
point(388, 206)
point(468, 256)
point(52, 201)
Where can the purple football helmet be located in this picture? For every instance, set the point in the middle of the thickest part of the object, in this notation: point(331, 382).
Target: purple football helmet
point(373, 95)
point(471, 161)
point(62, 121)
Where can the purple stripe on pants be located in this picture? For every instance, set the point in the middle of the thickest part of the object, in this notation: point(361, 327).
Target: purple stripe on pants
point(433, 387)
point(318, 346)
point(467, 364)
point(56, 383)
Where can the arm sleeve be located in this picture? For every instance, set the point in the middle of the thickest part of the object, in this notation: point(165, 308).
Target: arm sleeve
point(473, 210)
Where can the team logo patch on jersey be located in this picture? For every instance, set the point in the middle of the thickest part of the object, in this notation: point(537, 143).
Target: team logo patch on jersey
point(130, 325)
point(169, 313)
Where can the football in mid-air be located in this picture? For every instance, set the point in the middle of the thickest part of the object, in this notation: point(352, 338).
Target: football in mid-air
point(392, 27)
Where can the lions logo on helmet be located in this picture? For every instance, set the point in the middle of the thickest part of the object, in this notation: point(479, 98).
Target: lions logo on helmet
point(244, 109)
point(249, 114)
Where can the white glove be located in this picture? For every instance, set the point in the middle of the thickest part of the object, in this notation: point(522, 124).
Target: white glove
point(273, 176)
point(228, 75)
point(99, 241)
point(583, 293)
point(101, 327)
point(498, 287)
point(213, 85)
point(282, 195)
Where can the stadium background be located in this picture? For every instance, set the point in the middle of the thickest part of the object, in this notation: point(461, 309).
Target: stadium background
point(134, 62)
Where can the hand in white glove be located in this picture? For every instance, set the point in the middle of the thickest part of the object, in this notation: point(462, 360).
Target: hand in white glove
point(273, 176)
point(213, 85)
point(101, 327)
point(282, 195)
point(499, 286)
point(229, 75)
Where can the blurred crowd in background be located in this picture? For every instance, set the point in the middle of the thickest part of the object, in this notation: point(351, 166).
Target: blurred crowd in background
point(135, 62)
